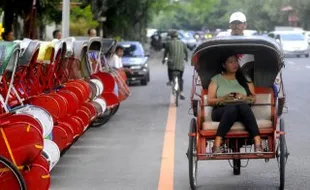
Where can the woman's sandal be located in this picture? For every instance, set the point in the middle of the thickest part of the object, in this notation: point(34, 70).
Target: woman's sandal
point(259, 148)
point(216, 150)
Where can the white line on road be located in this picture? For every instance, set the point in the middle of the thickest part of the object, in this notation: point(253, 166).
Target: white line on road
point(308, 66)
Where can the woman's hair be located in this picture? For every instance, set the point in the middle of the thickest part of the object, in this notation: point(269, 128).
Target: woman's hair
point(55, 32)
point(239, 74)
point(5, 35)
point(89, 30)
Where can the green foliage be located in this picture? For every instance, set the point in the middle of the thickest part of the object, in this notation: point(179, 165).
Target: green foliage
point(125, 18)
point(81, 20)
point(49, 11)
point(261, 14)
point(184, 15)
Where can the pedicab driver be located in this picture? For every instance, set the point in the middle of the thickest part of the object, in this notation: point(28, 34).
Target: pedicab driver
point(115, 60)
point(237, 24)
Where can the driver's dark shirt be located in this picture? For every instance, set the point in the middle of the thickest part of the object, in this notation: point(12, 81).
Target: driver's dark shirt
point(177, 52)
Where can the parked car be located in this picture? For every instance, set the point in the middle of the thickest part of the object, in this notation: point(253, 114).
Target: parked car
point(165, 36)
point(188, 39)
point(135, 59)
point(292, 42)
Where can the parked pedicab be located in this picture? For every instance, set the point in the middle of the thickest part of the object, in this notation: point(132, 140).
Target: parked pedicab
point(93, 68)
point(22, 131)
point(267, 109)
point(32, 84)
point(118, 74)
point(116, 87)
point(79, 70)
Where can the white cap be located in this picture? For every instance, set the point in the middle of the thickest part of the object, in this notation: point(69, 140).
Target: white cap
point(237, 16)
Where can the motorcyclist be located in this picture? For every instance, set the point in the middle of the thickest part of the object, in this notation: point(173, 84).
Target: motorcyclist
point(156, 41)
point(177, 53)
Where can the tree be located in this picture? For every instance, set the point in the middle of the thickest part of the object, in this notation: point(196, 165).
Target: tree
point(127, 19)
point(81, 20)
point(193, 15)
point(45, 11)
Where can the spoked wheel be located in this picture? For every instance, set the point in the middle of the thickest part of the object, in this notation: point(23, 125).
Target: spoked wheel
point(236, 166)
point(175, 90)
point(177, 98)
point(236, 162)
point(192, 155)
point(101, 120)
point(115, 109)
point(10, 177)
point(282, 154)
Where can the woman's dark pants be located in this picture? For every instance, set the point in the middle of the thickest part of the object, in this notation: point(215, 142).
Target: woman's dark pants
point(227, 115)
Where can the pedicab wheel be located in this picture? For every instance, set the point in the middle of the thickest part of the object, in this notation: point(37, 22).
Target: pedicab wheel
point(192, 156)
point(11, 167)
point(282, 154)
point(115, 109)
point(237, 166)
point(101, 120)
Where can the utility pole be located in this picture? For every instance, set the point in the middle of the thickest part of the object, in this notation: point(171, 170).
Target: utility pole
point(65, 18)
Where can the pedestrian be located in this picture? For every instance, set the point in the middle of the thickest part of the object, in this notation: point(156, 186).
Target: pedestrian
point(92, 32)
point(57, 34)
point(8, 36)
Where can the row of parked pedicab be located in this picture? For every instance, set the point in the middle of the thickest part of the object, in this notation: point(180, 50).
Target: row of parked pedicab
point(50, 94)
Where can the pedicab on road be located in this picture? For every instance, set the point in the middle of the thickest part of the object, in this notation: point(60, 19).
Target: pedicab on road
point(237, 144)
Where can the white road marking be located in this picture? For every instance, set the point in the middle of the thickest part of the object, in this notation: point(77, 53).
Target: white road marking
point(308, 66)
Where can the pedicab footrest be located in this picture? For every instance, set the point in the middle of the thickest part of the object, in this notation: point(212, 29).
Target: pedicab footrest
point(241, 155)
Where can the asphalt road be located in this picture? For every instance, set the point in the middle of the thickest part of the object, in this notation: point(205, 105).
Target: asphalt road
point(126, 153)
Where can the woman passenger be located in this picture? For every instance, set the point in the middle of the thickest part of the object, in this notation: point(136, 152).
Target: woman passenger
point(232, 84)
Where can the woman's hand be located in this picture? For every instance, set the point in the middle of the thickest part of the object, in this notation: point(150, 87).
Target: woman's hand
point(220, 101)
point(240, 96)
point(229, 96)
point(249, 99)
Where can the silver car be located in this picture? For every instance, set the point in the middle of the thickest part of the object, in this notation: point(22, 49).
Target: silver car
point(292, 42)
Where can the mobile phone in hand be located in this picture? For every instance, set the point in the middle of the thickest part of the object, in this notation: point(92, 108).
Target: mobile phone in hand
point(233, 94)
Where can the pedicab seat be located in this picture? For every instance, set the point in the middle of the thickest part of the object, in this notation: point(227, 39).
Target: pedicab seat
point(107, 44)
point(69, 45)
point(80, 58)
point(79, 49)
point(263, 110)
point(7, 51)
point(28, 50)
point(94, 48)
point(60, 48)
point(46, 52)
point(95, 44)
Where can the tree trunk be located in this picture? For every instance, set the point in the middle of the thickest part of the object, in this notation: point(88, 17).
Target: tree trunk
point(8, 15)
